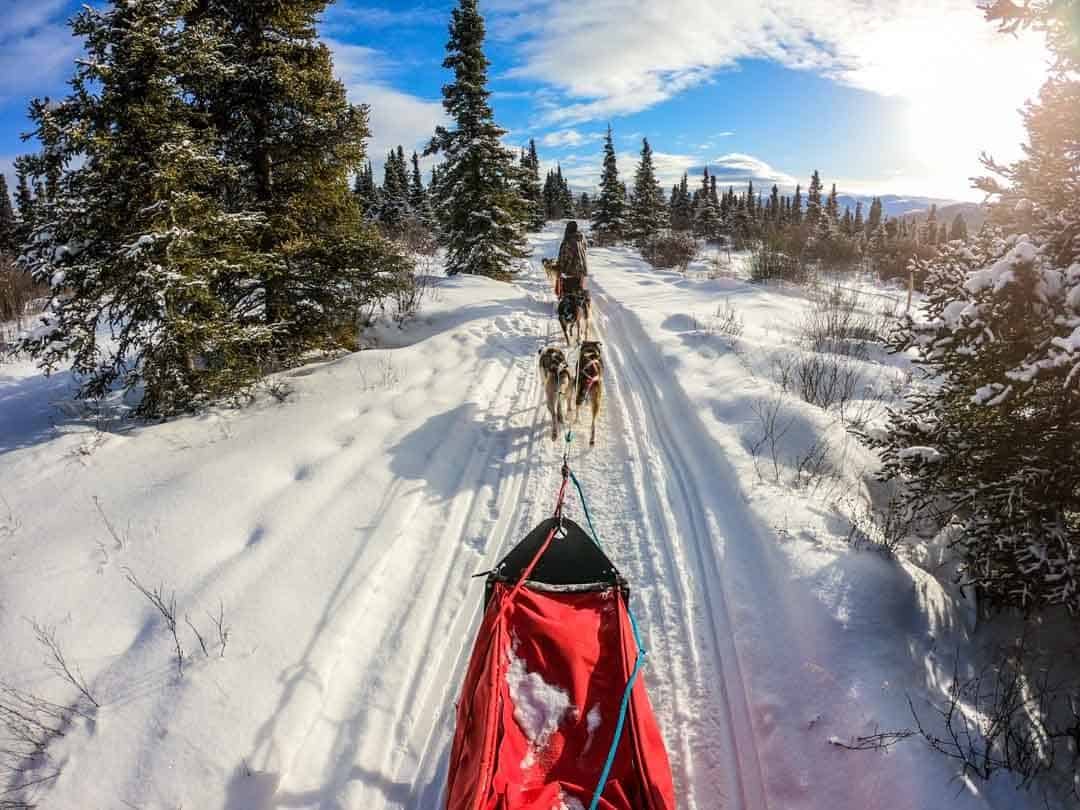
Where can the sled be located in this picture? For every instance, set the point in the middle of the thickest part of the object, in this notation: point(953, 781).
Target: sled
point(542, 698)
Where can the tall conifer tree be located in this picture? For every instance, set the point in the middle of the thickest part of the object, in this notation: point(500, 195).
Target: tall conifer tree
point(608, 224)
point(478, 189)
point(648, 212)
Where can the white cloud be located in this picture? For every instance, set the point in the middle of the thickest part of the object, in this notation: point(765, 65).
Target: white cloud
point(963, 80)
point(35, 56)
point(737, 169)
point(396, 117)
point(569, 137)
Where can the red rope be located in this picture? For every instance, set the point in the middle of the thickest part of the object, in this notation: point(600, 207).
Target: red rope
point(544, 546)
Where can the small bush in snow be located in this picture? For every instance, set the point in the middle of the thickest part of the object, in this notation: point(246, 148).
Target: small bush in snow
point(1016, 713)
point(769, 264)
point(727, 320)
point(671, 249)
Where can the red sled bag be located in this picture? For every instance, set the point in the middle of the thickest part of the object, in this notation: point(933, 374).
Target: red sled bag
point(543, 694)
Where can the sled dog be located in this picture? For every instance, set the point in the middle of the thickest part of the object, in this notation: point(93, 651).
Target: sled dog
point(589, 382)
point(558, 382)
point(574, 315)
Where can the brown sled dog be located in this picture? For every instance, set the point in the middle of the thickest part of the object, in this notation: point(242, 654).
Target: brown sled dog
point(558, 382)
point(551, 270)
point(590, 382)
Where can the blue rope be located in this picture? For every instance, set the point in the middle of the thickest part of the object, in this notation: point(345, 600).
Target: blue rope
point(639, 662)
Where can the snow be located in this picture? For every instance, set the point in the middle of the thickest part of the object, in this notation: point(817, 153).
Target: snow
point(539, 707)
point(340, 529)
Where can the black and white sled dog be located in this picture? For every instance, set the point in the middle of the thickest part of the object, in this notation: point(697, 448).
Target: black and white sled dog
point(558, 386)
point(574, 310)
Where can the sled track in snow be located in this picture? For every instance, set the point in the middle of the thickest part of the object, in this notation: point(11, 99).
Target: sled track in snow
point(724, 758)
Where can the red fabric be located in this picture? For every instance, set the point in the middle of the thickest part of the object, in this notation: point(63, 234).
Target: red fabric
point(581, 644)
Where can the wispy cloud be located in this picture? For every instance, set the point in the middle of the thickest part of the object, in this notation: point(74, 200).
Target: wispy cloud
point(36, 49)
point(396, 117)
point(650, 52)
point(569, 137)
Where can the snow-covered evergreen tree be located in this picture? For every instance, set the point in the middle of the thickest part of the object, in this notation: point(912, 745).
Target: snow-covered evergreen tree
point(707, 219)
point(367, 193)
point(293, 141)
point(813, 200)
point(394, 204)
point(531, 190)
point(484, 213)
point(419, 201)
point(648, 209)
point(959, 228)
point(992, 445)
point(134, 237)
point(8, 226)
point(608, 219)
point(682, 212)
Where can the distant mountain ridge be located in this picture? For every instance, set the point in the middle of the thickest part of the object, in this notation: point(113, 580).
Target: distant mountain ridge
point(894, 205)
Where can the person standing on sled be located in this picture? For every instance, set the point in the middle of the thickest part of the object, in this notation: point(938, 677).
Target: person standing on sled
point(572, 264)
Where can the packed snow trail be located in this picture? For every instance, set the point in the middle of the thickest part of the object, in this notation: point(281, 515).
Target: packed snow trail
point(342, 528)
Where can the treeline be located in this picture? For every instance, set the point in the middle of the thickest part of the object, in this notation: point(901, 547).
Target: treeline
point(792, 230)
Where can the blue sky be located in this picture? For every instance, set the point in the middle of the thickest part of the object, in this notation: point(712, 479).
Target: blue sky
point(882, 96)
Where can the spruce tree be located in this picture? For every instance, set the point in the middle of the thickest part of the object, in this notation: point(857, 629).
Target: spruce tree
point(959, 229)
point(292, 140)
point(566, 196)
point(608, 225)
point(394, 204)
point(135, 237)
point(419, 201)
point(991, 447)
point(873, 221)
point(531, 189)
point(8, 227)
point(648, 213)
point(707, 219)
point(367, 193)
point(813, 200)
point(484, 211)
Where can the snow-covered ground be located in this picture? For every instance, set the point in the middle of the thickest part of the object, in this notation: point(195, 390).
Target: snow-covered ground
point(340, 529)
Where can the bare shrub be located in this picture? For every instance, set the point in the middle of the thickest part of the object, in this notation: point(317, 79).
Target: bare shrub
point(28, 725)
point(279, 390)
point(166, 606)
point(836, 323)
point(769, 264)
point(418, 237)
point(409, 296)
point(671, 249)
point(1012, 715)
point(827, 380)
point(727, 320)
point(120, 540)
point(223, 629)
point(58, 663)
point(773, 430)
point(883, 527)
point(385, 377)
point(18, 291)
point(813, 467)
